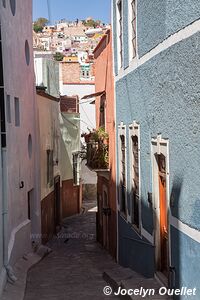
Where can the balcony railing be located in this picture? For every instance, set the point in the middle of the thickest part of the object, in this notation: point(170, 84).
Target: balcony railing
point(97, 155)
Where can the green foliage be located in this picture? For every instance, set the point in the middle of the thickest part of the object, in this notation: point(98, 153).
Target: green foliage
point(37, 28)
point(39, 24)
point(91, 23)
point(58, 56)
point(100, 134)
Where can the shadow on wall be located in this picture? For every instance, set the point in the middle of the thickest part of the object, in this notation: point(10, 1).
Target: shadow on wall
point(89, 181)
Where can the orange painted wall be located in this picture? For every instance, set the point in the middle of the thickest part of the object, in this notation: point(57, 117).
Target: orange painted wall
point(104, 80)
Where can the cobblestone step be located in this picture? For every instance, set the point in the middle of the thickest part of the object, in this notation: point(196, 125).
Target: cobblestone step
point(125, 278)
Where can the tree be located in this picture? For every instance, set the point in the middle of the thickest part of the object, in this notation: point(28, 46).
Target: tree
point(91, 23)
point(58, 56)
point(39, 24)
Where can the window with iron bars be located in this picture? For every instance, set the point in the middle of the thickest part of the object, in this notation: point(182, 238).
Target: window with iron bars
point(120, 24)
point(135, 181)
point(123, 176)
point(133, 28)
point(76, 169)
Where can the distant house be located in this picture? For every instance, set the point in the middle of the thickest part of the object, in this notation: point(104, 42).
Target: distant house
point(47, 75)
point(156, 50)
point(78, 79)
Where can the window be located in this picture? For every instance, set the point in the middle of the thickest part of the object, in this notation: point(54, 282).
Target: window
point(76, 175)
point(30, 146)
point(135, 174)
point(50, 167)
point(17, 112)
point(30, 203)
point(123, 175)
point(8, 109)
point(122, 181)
point(120, 32)
point(27, 52)
point(102, 111)
point(132, 28)
point(13, 6)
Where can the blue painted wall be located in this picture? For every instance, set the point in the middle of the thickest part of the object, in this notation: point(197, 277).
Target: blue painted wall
point(190, 256)
point(163, 96)
point(157, 20)
point(133, 250)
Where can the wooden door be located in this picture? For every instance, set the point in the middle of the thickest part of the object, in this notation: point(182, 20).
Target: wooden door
point(163, 215)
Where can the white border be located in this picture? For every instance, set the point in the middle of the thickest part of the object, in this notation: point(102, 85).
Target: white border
point(189, 231)
point(134, 130)
point(122, 131)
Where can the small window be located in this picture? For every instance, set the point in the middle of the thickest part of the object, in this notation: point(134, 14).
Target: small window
point(135, 181)
point(120, 33)
point(76, 175)
point(13, 6)
point(30, 203)
point(17, 112)
point(50, 167)
point(8, 109)
point(102, 111)
point(123, 175)
point(30, 146)
point(27, 53)
point(134, 146)
point(133, 28)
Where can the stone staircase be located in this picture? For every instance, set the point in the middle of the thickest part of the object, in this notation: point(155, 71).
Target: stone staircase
point(127, 279)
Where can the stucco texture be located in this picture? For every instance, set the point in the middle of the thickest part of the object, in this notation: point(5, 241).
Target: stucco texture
point(159, 19)
point(163, 96)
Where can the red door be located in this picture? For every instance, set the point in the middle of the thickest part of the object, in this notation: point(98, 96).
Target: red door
point(163, 215)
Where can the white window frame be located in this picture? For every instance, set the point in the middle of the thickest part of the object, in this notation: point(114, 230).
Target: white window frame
point(130, 18)
point(122, 131)
point(134, 130)
point(159, 145)
point(119, 48)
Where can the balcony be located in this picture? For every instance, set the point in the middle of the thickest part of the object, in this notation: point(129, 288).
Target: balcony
point(97, 150)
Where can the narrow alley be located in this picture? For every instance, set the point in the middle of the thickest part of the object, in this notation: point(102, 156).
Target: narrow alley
point(78, 267)
point(74, 268)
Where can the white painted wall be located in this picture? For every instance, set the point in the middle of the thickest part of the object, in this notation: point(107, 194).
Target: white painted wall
point(49, 139)
point(87, 110)
point(70, 142)
point(19, 82)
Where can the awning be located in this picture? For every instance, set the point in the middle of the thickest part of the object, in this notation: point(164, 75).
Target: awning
point(93, 95)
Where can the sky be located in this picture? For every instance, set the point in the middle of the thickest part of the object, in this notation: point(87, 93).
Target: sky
point(72, 9)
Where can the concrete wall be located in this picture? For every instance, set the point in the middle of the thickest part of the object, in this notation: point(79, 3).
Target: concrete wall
point(160, 90)
point(87, 110)
point(21, 160)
